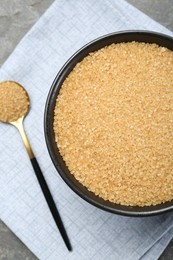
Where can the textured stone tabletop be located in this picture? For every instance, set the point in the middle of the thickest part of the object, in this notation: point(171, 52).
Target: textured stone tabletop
point(16, 18)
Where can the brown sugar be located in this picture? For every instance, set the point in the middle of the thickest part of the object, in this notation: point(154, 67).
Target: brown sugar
point(14, 101)
point(113, 123)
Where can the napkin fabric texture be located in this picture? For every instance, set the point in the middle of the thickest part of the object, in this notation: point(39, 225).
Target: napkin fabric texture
point(65, 27)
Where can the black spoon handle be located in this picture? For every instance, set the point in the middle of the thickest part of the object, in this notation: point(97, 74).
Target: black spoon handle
point(45, 189)
point(50, 202)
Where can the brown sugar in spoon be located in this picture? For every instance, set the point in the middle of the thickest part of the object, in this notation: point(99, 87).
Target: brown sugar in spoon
point(14, 105)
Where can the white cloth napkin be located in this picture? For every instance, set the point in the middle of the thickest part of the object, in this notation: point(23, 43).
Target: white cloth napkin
point(66, 26)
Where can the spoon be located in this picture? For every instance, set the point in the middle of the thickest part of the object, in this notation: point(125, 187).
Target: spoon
point(14, 104)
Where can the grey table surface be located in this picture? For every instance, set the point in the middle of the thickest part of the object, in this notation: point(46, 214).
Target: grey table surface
point(16, 18)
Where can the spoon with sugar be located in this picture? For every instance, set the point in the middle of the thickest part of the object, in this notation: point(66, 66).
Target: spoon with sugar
point(15, 104)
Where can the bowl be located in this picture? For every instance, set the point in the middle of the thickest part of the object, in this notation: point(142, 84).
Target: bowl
point(126, 36)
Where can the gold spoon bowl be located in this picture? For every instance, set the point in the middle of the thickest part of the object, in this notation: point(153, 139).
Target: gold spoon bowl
point(15, 104)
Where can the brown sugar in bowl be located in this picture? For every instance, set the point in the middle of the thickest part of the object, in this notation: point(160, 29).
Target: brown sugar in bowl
point(125, 200)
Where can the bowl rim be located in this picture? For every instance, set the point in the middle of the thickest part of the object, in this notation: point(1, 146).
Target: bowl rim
point(134, 211)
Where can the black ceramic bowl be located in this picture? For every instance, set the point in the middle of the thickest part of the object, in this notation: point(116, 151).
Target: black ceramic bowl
point(127, 36)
